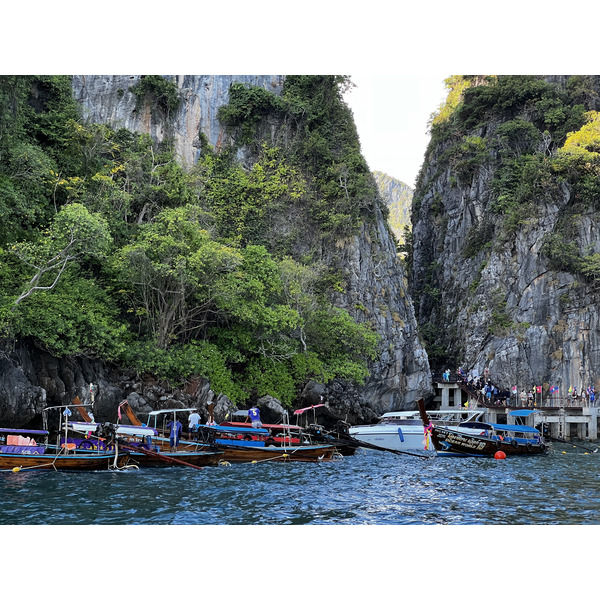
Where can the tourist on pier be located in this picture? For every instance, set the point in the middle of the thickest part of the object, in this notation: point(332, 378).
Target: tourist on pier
point(530, 398)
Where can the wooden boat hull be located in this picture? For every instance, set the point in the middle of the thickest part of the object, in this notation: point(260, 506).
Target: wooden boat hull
point(449, 442)
point(63, 462)
point(313, 453)
point(198, 459)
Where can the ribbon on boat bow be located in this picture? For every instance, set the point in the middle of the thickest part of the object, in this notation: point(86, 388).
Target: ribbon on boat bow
point(427, 435)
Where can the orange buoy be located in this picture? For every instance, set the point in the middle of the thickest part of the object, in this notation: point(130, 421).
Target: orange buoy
point(499, 455)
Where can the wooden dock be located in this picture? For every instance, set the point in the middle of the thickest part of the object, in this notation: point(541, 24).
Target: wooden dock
point(563, 419)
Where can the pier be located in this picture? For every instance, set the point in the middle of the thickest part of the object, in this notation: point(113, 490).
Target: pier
point(562, 417)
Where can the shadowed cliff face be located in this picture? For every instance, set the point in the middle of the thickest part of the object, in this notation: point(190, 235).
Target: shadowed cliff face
point(484, 279)
point(376, 281)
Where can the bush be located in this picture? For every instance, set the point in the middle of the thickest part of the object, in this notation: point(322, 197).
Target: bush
point(162, 91)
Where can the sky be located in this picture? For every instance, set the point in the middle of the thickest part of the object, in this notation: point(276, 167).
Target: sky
point(391, 113)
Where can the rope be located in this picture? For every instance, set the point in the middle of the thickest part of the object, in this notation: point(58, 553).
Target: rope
point(17, 469)
point(284, 456)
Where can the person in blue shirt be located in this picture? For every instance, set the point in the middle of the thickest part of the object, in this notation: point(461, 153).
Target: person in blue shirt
point(175, 428)
point(254, 415)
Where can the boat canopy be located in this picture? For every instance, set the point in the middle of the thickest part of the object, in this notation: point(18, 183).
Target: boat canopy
point(522, 413)
point(24, 431)
point(414, 414)
point(243, 430)
point(303, 410)
point(166, 411)
point(121, 429)
point(265, 425)
point(516, 428)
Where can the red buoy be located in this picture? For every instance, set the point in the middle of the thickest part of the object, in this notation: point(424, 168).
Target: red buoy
point(499, 455)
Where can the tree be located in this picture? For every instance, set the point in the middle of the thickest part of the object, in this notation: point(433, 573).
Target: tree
point(73, 234)
point(170, 273)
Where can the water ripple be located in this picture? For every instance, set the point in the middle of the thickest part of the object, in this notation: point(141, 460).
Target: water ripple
point(369, 488)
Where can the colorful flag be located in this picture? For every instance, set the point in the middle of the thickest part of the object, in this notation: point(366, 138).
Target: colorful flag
point(539, 389)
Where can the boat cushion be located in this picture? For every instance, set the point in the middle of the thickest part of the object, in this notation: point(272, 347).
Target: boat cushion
point(22, 449)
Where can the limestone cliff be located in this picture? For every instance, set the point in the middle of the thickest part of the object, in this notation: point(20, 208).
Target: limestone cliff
point(109, 99)
point(398, 198)
point(499, 210)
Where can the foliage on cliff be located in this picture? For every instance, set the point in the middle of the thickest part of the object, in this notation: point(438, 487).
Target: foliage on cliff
point(109, 248)
point(537, 140)
point(319, 140)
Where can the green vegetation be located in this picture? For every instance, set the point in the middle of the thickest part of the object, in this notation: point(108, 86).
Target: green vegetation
point(158, 90)
point(538, 141)
point(319, 142)
point(110, 249)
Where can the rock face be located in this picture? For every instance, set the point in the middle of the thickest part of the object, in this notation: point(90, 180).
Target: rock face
point(109, 99)
point(498, 303)
point(377, 283)
point(398, 198)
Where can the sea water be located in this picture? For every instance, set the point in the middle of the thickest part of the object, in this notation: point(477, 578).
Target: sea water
point(370, 487)
point(401, 515)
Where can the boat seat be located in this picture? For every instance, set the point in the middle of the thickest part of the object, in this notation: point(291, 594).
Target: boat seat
point(22, 449)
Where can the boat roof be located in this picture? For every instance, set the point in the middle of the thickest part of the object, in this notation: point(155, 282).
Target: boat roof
point(265, 425)
point(525, 412)
point(228, 429)
point(84, 427)
point(415, 413)
point(303, 410)
point(166, 411)
point(24, 431)
point(67, 406)
point(520, 428)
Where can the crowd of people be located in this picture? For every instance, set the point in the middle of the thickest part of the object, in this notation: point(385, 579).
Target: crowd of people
point(483, 389)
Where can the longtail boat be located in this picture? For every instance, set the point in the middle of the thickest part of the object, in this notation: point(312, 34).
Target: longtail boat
point(481, 439)
point(285, 434)
point(19, 451)
point(238, 444)
point(141, 442)
point(340, 437)
point(242, 444)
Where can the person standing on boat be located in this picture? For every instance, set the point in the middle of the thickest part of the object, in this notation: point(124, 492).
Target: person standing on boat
point(175, 428)
point(193, 422)
point(254, 415)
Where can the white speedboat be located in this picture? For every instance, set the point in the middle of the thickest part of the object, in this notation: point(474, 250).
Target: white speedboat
point(403, 430)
